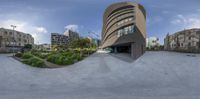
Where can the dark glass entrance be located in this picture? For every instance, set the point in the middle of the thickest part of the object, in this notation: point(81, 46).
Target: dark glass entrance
point(124, 49)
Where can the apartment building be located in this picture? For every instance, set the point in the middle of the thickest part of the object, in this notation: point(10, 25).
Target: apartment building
point(71, 35)
point(59, 41)
point(14, 41)
point(186, 41)
point(152, 42)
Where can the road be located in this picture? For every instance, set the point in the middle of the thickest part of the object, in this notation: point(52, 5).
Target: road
point(155, 75)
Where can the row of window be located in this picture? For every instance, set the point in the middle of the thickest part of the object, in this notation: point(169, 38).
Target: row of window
point(15, 43)
point(118, 12)
point(120, 17)
point(186, 38)
point(125, 21)
point(18, 34)
point(16, 39)
point(182, 45)
point(126, 30)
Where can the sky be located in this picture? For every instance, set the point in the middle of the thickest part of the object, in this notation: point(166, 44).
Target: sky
point(43, 17)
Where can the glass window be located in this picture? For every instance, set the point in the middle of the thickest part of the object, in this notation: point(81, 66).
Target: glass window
point(119, 33)
point(126, 29)
point(132, 29)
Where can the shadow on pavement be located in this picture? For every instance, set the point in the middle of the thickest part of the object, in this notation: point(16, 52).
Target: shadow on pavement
point(123, 56)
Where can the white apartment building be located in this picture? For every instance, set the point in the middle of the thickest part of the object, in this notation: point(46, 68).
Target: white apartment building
point(186, 40)
point(152, 42)
point(13, 41)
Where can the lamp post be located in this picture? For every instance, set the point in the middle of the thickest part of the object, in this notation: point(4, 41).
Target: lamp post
point(13, 26)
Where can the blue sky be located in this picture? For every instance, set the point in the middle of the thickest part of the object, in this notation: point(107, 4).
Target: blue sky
point(42, 17)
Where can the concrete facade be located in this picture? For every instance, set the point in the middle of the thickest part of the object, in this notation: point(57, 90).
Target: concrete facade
point(124, 28)
point(71, 35)
point(186, 41)
point(59, 41)
point(13, 41)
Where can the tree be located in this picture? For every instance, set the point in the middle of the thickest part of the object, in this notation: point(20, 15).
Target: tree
point(28, 46)
point(80, 43)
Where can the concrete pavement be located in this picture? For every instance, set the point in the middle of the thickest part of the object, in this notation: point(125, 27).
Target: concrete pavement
point(155, 75)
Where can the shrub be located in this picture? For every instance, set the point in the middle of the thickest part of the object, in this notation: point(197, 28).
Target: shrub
point(27, 56)
point(68, 57)
point(60, 60)
point(53, 58)
point(68, 61)
point(39, 54)
point(27, 61)
point(35, 62)
point(69, 53)
point(19, 55)
point(39, 63)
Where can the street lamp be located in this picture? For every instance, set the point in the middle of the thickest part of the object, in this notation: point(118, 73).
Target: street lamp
point(13, 26)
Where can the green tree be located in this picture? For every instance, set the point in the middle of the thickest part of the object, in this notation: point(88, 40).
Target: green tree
point(28, 46)
point(80, 43)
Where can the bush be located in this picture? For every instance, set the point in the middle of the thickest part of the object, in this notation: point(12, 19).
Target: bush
point(60, 60)
point(51, 58)
point(19, 55)
point(27, 61)
point(39, 63)
point(69, 53)
point(35, 62)
point(39, 54)
point(68, 57)
point(68, 61)
point(27, 56)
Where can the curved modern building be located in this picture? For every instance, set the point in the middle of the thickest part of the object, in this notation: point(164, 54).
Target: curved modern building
point(124, 28)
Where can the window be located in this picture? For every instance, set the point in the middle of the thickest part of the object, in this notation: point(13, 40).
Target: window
point(182, 44)
point(189, 38)
point(189, 44)
point(119, 33)
point(5, 33)
point(125, 21)
point(194, 43)
point(126, 30)
point(10, 33)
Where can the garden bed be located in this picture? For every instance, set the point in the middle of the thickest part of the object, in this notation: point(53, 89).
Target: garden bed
point(53, 59)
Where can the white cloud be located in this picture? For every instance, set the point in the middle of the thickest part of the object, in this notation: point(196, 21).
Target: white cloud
point(39, 33)
point(191, 21)
point(72, 27)
point(41, 29)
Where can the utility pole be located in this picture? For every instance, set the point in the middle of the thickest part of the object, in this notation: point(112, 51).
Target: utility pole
point(13, 26)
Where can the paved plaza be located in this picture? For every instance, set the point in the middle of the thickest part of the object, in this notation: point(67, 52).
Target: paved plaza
point(155, 75)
